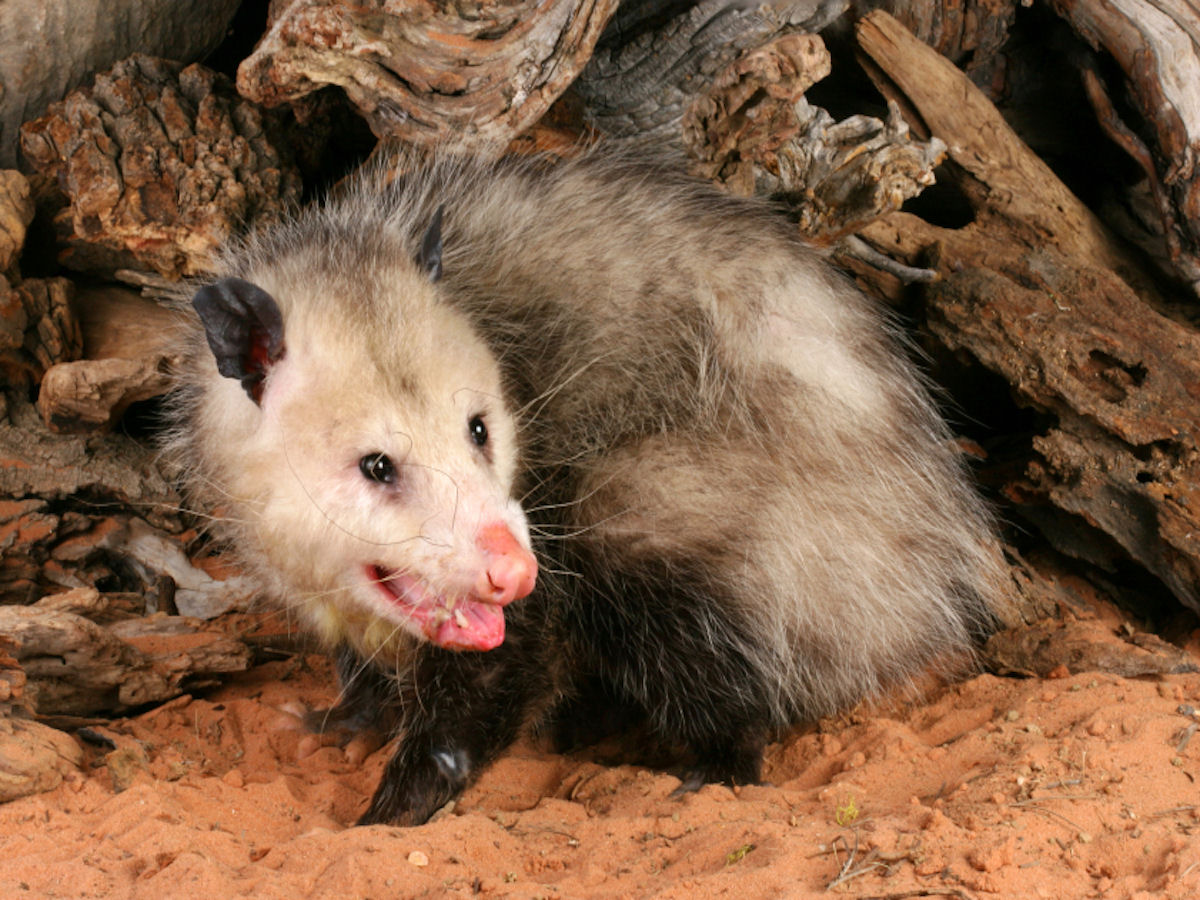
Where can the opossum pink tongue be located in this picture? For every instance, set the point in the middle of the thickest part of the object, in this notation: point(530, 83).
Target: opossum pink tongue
point(475, 621)
point(453, 622)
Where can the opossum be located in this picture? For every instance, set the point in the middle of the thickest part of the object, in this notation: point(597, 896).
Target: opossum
point(578, 447)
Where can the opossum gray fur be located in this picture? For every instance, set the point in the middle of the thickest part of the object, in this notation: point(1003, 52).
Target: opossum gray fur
point(745, 509)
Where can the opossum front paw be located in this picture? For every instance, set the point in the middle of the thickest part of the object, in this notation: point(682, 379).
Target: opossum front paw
point(415, 786)
point(335, 719)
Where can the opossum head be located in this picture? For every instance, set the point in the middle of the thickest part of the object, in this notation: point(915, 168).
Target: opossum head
point(363, 437)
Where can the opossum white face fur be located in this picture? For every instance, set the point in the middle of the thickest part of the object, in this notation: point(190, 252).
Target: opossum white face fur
point(747, 510)
point(380, 492)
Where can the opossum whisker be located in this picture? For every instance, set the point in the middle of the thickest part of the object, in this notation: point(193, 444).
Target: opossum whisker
point(564, 504)
point(366, 661)
point(570, 532)
point(193, 511)
point(560, 571)
point(497, 398)
point(559, 385)
point(408, 437)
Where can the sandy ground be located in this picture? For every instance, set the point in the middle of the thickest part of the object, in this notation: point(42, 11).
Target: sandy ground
point(1077, 787)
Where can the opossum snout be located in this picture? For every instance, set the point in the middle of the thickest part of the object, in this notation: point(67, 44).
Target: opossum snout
point(511, 570)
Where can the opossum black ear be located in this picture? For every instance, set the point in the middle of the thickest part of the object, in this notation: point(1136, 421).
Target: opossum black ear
point(430, 257)
point(244, 330)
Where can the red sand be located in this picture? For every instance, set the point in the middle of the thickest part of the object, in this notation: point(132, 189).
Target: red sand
point(1078, 787)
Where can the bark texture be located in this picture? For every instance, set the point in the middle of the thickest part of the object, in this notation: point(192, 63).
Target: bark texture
point(126, 358)
point(82, 37)
point(75, 666)
point(476, 75)
point(1156, 45)
point(162, 164)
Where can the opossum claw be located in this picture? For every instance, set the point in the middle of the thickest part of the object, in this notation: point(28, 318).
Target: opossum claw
point(430, 257)
point(244, 330)
point(738, 763)
point(454, 764)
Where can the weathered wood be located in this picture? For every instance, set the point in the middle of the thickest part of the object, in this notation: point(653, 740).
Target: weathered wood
point(428, 73)
point(1123, 382)
point(734, 127)
point(38, 328)
point(48, 47)
point(127, 357)
point(194, 590)
point(161, 164)
point(105, 468)
point(1037, 290)
point(1014, 193)
point(1072, 646)
point(93, 510)
point(969, 33)
point(1156, 46)
point(835, 176)
point(16, 212)
point(33, 756)
point(75, 666)
point(653, 62)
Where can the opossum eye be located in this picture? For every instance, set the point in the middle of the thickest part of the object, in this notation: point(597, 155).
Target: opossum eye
point(478, 431)
point(378, 467)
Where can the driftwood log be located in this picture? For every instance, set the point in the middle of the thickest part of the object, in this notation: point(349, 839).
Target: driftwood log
point(75, 666)
point(428, 73)
point(655, 60)
point(37, 322)
point(33, 757)
point(96, 510)
point(126, 359)
point(1156, 45)
point(86, 36)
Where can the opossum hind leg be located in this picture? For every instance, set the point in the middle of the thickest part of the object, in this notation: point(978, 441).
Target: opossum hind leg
point(672, 659)
point(662, 621)
point(589, 714)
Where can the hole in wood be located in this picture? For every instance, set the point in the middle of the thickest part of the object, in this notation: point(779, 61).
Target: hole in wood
point(1109, 376)
point(942, 204)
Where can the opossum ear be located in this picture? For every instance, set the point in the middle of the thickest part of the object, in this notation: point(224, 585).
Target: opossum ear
point(430, 257)
point(244, 330)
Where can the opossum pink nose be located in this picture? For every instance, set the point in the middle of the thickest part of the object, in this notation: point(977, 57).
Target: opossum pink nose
point(511, 569)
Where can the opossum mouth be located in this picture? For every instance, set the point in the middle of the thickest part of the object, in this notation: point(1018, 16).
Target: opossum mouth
point(451, 621)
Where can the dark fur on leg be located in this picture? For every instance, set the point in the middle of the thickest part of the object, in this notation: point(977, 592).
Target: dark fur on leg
point(702, 701)
point(461, 711)
point(369, 698)
point(590, 714)
point(734, 760)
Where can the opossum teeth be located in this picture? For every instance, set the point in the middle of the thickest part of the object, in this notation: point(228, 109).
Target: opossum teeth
point(449, 620)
